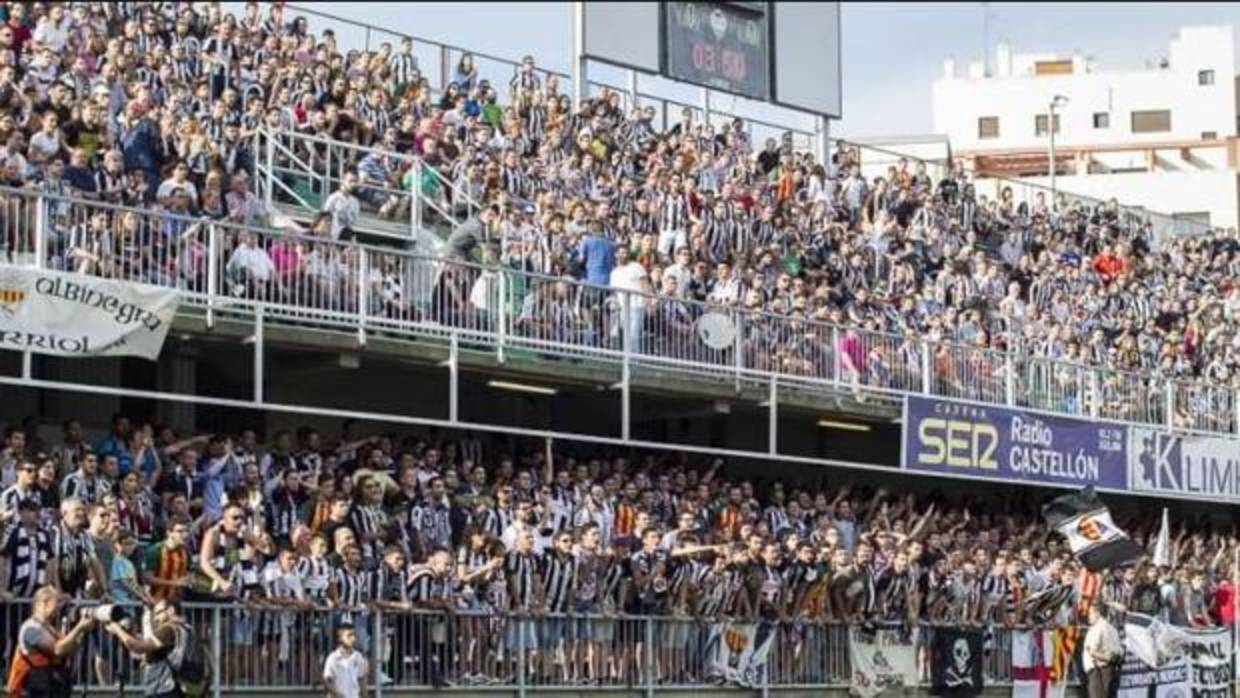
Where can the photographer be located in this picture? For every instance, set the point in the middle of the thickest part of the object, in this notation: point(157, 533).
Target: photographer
point(40, 667)
point(173, 666)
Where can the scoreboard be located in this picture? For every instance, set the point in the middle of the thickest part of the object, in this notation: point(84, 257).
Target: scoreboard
point(784, 53)
point(721, 45)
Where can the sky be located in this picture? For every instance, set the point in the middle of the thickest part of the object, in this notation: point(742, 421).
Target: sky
point(892, 52)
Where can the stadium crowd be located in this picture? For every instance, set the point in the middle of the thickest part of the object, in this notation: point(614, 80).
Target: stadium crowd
point(161, 106)
point(501, 546)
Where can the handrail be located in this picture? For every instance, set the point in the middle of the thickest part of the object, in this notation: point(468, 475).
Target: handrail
point(342, 154)
point(631, 326)
point(451, 648)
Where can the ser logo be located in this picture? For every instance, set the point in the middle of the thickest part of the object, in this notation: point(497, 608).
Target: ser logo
point(958, 443)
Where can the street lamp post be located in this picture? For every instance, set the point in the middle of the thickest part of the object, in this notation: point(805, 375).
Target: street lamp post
point(1056, 101)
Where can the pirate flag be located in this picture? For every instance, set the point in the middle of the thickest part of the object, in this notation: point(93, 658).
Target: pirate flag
point(956, 663)
point(1094, 538)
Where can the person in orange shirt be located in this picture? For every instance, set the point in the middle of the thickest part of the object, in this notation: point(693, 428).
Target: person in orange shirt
point(1109, 265)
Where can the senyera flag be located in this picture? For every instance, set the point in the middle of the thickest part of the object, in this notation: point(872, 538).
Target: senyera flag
point(1094, 538)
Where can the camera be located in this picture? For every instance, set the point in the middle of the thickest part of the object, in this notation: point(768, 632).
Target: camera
point(106, 613)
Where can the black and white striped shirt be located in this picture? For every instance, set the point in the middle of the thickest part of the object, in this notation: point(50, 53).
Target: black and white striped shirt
point(559, 577)
point(73, 552)
point(392, 585)
point(88, 489)
point(11, 497)
point(368, 520)
point(496, 521)
point(353, 588)
point(522, 573)
point(432, 523)
point(402, 67)
point(316, 574)
point(424, 588)
point(674, 212)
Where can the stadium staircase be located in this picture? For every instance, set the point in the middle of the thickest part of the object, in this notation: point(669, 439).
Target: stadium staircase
point(296, 173)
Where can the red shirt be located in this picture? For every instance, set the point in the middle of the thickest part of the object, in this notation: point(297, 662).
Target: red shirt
point(1225, 602)
point(1108, 266)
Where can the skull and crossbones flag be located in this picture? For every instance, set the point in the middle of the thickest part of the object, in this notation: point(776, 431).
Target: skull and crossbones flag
point(1094, 538)
point(956, 662)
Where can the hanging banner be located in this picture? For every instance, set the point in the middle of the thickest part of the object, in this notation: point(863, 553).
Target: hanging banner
point(737, 652)
point(1202, 669)
point(60, 314)
point(1033, 653)
point(956, 662)
point(1198, 466)
point(949, 437)
point(882, 659)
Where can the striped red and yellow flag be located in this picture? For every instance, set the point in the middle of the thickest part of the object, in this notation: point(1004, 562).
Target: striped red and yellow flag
point(1064, 646)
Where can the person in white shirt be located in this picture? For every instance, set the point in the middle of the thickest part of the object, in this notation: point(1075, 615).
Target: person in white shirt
point(343, 206)
point(249, 265)
point(344, 671)
point(53, 29)
point(1101, 655)
point(629, 275)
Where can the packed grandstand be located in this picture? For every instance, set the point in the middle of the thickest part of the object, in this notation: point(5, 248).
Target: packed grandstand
point(139, 123)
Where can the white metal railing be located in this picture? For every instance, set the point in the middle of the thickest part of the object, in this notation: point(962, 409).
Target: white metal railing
point(303, 171)
point(255, 646)
point(311, 280)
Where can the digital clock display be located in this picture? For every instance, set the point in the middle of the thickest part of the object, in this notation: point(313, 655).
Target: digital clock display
point(721, 45)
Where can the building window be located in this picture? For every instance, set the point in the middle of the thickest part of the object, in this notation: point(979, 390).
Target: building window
point(1102, 120)
point(1205, 77)
point(1151, 121)
point(988, 127)
point(1209, 135)
point(1039, 124)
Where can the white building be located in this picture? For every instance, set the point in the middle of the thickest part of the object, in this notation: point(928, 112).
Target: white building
point(1162, 138)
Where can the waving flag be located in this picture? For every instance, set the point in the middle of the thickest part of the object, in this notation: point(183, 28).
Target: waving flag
point(1093, 537)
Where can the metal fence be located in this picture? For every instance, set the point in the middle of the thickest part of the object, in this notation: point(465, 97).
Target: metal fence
point(257, 646)
point(295, 276)
point(302, 171)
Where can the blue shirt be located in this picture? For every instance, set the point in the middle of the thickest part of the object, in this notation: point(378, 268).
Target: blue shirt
point(122, 571)
point(599, 255)
point(217, 476)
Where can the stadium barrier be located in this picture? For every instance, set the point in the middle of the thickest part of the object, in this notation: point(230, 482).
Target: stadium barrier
point(309, 280)
point(257, 647)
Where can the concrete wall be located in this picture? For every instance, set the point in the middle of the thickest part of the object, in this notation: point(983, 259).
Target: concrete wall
point(958, 102)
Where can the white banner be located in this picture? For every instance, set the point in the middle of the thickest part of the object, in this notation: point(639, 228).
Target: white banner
point(881, 660)
point(48, 312)
point(1204, 670)
point(737, 652)
point(1200, 466)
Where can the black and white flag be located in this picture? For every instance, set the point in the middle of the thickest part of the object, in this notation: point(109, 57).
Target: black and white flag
point(1094, 538)
point(956, 669)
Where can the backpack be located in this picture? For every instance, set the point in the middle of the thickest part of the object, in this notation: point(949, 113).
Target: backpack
point(194, 673)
